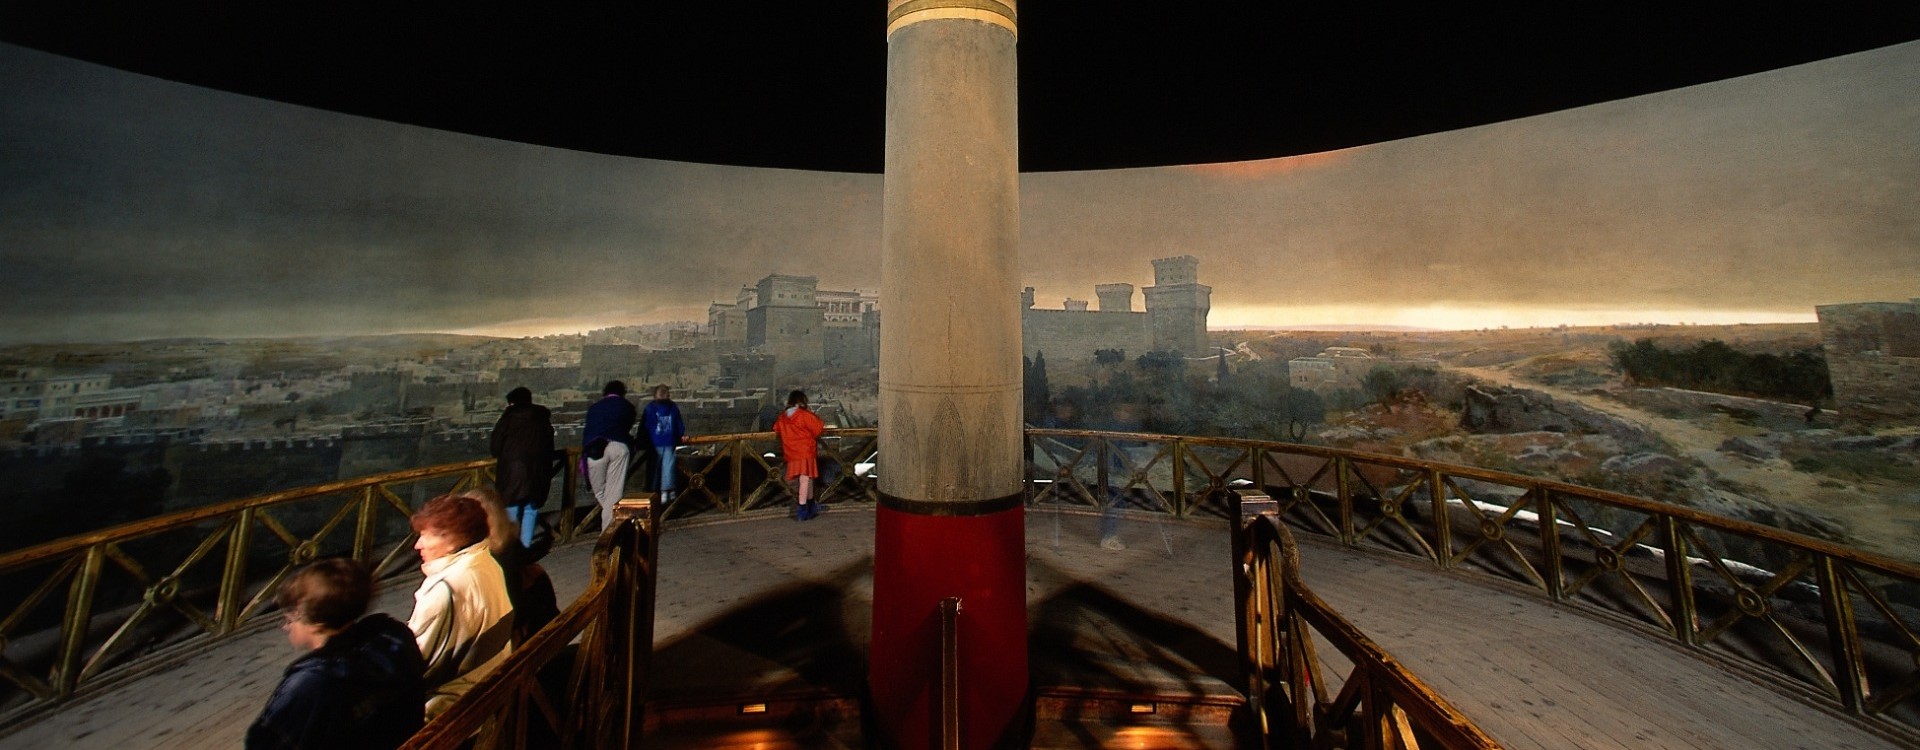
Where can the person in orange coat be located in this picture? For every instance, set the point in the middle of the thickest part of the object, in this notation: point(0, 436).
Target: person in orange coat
point(799, 432)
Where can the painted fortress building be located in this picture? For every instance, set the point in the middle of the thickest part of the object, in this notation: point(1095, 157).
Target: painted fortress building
point(1175, 318)
point(803, 326)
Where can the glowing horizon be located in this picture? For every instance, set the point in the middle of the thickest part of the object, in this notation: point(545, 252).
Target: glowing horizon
point(1467, 318)
point(1233, 317)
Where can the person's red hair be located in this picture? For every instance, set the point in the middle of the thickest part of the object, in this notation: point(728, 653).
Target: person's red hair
point(456, 517)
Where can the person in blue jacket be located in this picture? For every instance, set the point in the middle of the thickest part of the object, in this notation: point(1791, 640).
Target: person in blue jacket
point(607, 440)
point(662, 423)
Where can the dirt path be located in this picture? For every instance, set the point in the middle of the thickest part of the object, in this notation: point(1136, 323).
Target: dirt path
point(1877, 518)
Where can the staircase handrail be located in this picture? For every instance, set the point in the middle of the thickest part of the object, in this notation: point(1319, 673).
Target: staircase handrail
point(1381, 704)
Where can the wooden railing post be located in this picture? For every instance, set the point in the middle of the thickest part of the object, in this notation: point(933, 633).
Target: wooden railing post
point(1180, 502)
point(1256, 614)
point(1343, 480)
point(1026, 468)
point(569, 492)
point(636, 520)
point(73, 629)
point(1442, 519)
point(1680, 577)
point(233, 576)
point(1369, 729)
point(736, 495)
point(1550, 544)
point(618, 641)
point(1100, 476)
point(634, 533)
point(1843, 635)
point(365, 528)
point(1248, 508)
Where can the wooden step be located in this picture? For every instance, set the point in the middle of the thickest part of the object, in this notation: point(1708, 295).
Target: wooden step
point(787, 721)
point(1125, 707)
point(1180, 717)
point(1065, 735)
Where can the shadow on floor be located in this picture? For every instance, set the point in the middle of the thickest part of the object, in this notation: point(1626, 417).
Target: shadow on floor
point(791, 640)
point(1087, 636)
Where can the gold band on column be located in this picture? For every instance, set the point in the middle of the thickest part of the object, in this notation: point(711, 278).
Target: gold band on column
point(903, 13)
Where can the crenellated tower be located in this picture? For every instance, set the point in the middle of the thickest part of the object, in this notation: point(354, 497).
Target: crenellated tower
point(1114, 297)
point(1177, 305)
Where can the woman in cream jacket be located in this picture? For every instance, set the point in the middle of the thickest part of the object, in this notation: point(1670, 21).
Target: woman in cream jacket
point(462, 618)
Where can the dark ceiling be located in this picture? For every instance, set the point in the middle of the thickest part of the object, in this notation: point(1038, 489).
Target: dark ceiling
point(802, 85)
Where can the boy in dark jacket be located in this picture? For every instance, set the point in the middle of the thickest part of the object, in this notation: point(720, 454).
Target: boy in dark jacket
point(360, 686)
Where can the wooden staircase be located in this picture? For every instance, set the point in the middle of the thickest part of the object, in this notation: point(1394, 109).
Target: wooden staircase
point(1105, 674)
point(1075, 718)
point(1064, 718)
point(805, 720)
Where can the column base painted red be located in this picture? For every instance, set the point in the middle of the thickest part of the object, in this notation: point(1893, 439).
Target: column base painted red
point(918, 560)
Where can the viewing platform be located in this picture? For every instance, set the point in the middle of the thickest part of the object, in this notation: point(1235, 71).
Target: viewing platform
point(760, 624)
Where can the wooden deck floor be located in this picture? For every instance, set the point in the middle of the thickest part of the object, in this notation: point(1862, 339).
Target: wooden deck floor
point(785, 606)
point(1537, 675)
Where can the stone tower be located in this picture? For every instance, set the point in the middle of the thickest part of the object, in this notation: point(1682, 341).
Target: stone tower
point(786, 322)
point(1177, 305)
point(1114, 297)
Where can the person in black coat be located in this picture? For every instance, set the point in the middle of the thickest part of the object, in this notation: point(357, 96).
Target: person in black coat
point(362, 683)
point(523, 444)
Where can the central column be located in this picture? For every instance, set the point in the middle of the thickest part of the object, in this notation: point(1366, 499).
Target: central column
point(951, 521)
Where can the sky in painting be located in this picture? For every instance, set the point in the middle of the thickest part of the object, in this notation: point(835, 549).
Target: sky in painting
point(132, 207)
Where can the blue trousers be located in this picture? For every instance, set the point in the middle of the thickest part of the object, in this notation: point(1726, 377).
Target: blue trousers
point(528, 516)
point(666, 472)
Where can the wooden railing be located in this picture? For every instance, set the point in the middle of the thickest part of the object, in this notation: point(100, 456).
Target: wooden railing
point(742, 473)
point(578, 682)
point(83, 612)
point(1380, 703)
point(1840, 625)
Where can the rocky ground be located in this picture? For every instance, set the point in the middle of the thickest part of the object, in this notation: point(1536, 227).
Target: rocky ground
point(1749, 459)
